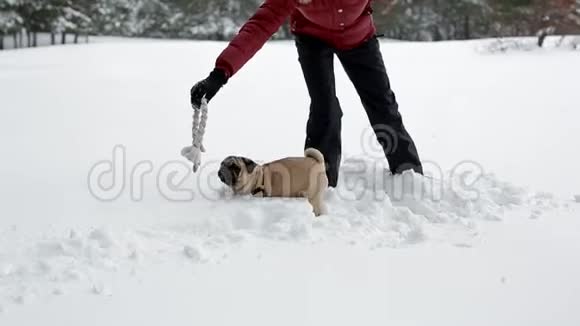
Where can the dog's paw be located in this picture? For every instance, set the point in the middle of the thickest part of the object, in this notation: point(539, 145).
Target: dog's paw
point(320, 211)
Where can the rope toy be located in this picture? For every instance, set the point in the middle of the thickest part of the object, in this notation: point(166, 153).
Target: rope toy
point(193, 152)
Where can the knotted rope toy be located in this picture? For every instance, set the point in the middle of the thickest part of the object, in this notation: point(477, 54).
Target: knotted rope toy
point(193, 152)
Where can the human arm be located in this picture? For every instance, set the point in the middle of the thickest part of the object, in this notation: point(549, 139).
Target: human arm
point(250, 39)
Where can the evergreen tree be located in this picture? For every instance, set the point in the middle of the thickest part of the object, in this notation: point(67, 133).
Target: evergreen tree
point(10, 21)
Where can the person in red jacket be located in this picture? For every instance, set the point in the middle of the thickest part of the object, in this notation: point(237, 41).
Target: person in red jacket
point(322, 29)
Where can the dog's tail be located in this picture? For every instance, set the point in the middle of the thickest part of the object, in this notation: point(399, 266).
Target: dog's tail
point(315, 154)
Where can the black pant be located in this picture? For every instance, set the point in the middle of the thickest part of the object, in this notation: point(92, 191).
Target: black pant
point(365, 67)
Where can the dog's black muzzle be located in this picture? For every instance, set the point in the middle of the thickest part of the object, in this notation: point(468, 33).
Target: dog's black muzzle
point(226, 176)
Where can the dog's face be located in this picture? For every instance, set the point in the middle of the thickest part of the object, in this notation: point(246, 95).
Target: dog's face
point(236, 171)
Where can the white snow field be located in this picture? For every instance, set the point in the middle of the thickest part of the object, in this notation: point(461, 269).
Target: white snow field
point(492, 237)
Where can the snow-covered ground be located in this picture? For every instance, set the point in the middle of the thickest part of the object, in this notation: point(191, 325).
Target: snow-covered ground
point(491, 238)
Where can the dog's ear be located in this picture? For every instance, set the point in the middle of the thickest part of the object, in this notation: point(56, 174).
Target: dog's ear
point(250, 165)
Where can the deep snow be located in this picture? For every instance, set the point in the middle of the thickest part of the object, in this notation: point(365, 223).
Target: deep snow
point(492, 237)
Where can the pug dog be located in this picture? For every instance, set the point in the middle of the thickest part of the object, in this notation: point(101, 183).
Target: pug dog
point(289, 177)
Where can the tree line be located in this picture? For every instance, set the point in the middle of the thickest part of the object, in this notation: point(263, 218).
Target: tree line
point(425, 20)
point(433, 20)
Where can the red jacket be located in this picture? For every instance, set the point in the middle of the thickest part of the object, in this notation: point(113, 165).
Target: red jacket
point(344, 24)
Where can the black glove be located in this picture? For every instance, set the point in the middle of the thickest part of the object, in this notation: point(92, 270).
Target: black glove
point(208, 87)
